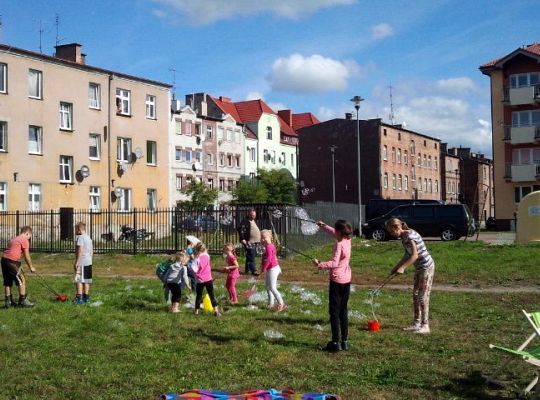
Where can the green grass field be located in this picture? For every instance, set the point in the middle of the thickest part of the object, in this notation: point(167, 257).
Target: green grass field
point(129, 347)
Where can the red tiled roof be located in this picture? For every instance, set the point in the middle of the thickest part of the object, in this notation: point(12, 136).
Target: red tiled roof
point(251, 110)
point(532, 49)
point(228, 108)
point(304, 119)
point(286, 129)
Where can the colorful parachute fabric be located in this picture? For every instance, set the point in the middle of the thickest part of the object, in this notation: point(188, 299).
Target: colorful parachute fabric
point(270, 394)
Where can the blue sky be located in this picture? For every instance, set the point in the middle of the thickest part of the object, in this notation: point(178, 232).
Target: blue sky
point(308, 55)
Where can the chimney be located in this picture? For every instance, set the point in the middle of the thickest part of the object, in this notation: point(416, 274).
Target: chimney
point(348, 116)
point(70, 52)
point(286, 115)
point(225, 99)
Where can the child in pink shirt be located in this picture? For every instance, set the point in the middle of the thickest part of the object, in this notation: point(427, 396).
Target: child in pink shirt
point(271, 268)
point(340, 283)
point(233, 272)
point(203, 274)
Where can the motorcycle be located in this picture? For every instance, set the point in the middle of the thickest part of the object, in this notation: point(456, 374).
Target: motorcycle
point(128, 233)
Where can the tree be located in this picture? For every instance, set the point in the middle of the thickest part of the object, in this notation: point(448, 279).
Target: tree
point(280, 185)
point(249, 191)
point(201, 196)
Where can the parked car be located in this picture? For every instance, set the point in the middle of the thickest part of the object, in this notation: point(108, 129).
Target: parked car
point(378, 207)
point(449, 221)
point(198, 223)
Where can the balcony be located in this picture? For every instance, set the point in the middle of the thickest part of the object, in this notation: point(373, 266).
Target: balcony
point(522, 173)
point(521, 95)
point(521, 134)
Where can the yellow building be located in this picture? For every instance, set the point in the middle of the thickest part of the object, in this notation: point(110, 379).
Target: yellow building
point(73, 135)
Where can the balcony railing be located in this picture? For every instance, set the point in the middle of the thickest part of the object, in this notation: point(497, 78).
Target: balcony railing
point(508, 171)
point(521, 134)
point(521, 95)
point(522, 172)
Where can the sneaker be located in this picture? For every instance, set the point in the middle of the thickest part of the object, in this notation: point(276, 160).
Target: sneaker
point(414, 327)
point(25, 303)
point(8, 303)
point(423, 330)
point(77, 300)
point(270, 306)
point(281, 307)
point(175, 310)
point(331, 347)
point(86, 299)
point(344, 345)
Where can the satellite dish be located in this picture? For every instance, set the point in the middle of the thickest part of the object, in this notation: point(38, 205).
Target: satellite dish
point(196, 166)
point(203, 137)
point(404, 124)
point(85, 171)
point(139, 153)
point(118, 192)
point(124, 167)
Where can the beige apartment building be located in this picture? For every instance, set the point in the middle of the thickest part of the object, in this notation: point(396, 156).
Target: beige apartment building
point(515, 114)
point(74, 135)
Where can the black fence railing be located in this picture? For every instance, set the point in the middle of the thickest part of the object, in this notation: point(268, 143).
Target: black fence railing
point(141, 230)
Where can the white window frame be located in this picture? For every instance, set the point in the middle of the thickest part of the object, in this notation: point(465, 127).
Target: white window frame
point(178, 182)
point(436, 186)
point(3, 196)
point(66, 169)
point(209, 131)
point(39, 84)
point(188, 155)
point(97, 144)
point(151, 199)
point(514, 79)
point(385, 153)
point(178, 126)
point(405, 157)
point(65, 120)
point(252, 154)
point(222, 185)
point(229, 134)
point(229, 160)
point(124, 201)
point(94, 96)
point(385, 180)
point(123, 145)
point(188, 125)
point(34, 196)
point(237, 136)
point(518, 118)
point(39, 140)
point(150, 106)
point(393, 154)
point(3, 78)
point(220, 133)
point(178, 154)
point(237, 161)
point(151, 152)
point(94, 194)
point(210, 182)
point(394, 179)
point(398, 156)
point(405, 183)
point(123, 96)
point(221, 159)
point(209, 159)
point(531, 156)
point(399, 182)
point(269, 133)
point(3, 136)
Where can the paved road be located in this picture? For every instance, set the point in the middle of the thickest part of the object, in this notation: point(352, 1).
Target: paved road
point(495, 238)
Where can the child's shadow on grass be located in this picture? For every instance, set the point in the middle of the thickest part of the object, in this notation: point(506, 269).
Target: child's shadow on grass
point(471, 386)
point(284, 319)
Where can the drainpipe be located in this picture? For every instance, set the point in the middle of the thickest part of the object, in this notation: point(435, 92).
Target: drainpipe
point(109, 170)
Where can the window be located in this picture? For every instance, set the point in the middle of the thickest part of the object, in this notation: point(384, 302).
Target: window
point(221, 159)
point(209, 131)
point(237, 136)
point(429, 162)
point(252, 175)
point(66, 116)
point(198, 156)
point(229, 135)
point(522, 191)
point(436, 186)
point(406, 183)
point(400, 182)
point(124, 201)
point(178, 154)
point(283, 158)
point(266, 156)
point(222, 185)
point(251, 151)
point(423, 211)
point(237, 161)
point(425, 161)
point(94, 147)
point(35, 140)
point(35, 83)
point(522, 80)
point(177, 126)
point(393, 181)
point(425, 185)
point(3, 78)
point(273, 156)
point(187, 128)
point(150, 106)
point(405, 157)
point(3, 196)
point(94, 95)
point(3, 136)
point(151, 199)
point(269, 132)
point(189, 179)
point(210, 183)
point(399, 156)
point(95, 198)
point(123, 149)
point(197, 129)
point(123, 102)
point(229, 160)
point(385, 153)
point(419, 184)
point(413, 148)
point(292, 160)
point(66, 169)
point(435, 164)
point(210, 159)
point(385, 180)
point(430, 187)
point(393, 154)
point(187, 155)
point(220, 133)
point(419, 160)
point(179, 182)
point(151, 152)
point(230, 185)
point(413, 174)
point(34, 196)
point(526, 156)
point(399, 136)
point(526, 118)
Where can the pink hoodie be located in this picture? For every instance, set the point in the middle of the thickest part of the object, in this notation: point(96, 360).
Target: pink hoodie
point(269, 259)
point(339, 266)
point(204, 273)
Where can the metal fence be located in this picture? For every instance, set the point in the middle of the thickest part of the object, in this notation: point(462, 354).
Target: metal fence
point(144, 231)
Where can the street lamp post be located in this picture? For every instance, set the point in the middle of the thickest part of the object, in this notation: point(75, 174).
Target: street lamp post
point(356, 100)
point(332, 150)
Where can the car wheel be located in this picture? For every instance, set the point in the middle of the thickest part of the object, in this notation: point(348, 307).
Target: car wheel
point(378, 234)
point(448, 234)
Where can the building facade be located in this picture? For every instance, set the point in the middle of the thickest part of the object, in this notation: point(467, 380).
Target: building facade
point(396, 163)
point(95, 143)
point(451, 173)
point(515, 114)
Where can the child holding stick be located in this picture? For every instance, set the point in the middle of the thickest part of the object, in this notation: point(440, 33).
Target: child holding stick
point(204, 278)
point(233, 272)
point(270, 266)
point(415, 253)
point(340, 283)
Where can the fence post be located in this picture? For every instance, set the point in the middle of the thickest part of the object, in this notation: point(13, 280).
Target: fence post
point(91, 224)
point(17, 227)
point(52, 232)
point(134, 231)
point(175, 230)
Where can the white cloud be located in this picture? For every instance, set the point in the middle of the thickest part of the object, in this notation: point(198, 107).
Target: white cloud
point(381, 31)
point(254, 95)
point(461, 84)
point(276, 106)
point(314, 73)
point(201, 12)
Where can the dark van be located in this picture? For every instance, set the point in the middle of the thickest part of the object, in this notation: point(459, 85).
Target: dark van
point(378, 207)
point(449, 221)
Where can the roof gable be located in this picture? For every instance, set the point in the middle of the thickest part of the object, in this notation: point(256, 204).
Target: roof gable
point(532, 50)
point(251, 110)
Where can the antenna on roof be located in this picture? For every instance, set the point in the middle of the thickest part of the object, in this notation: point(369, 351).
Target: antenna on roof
point(1, 26)
point(41, 30)
point(58, 39)
point(173, 83)
point(391, 116)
